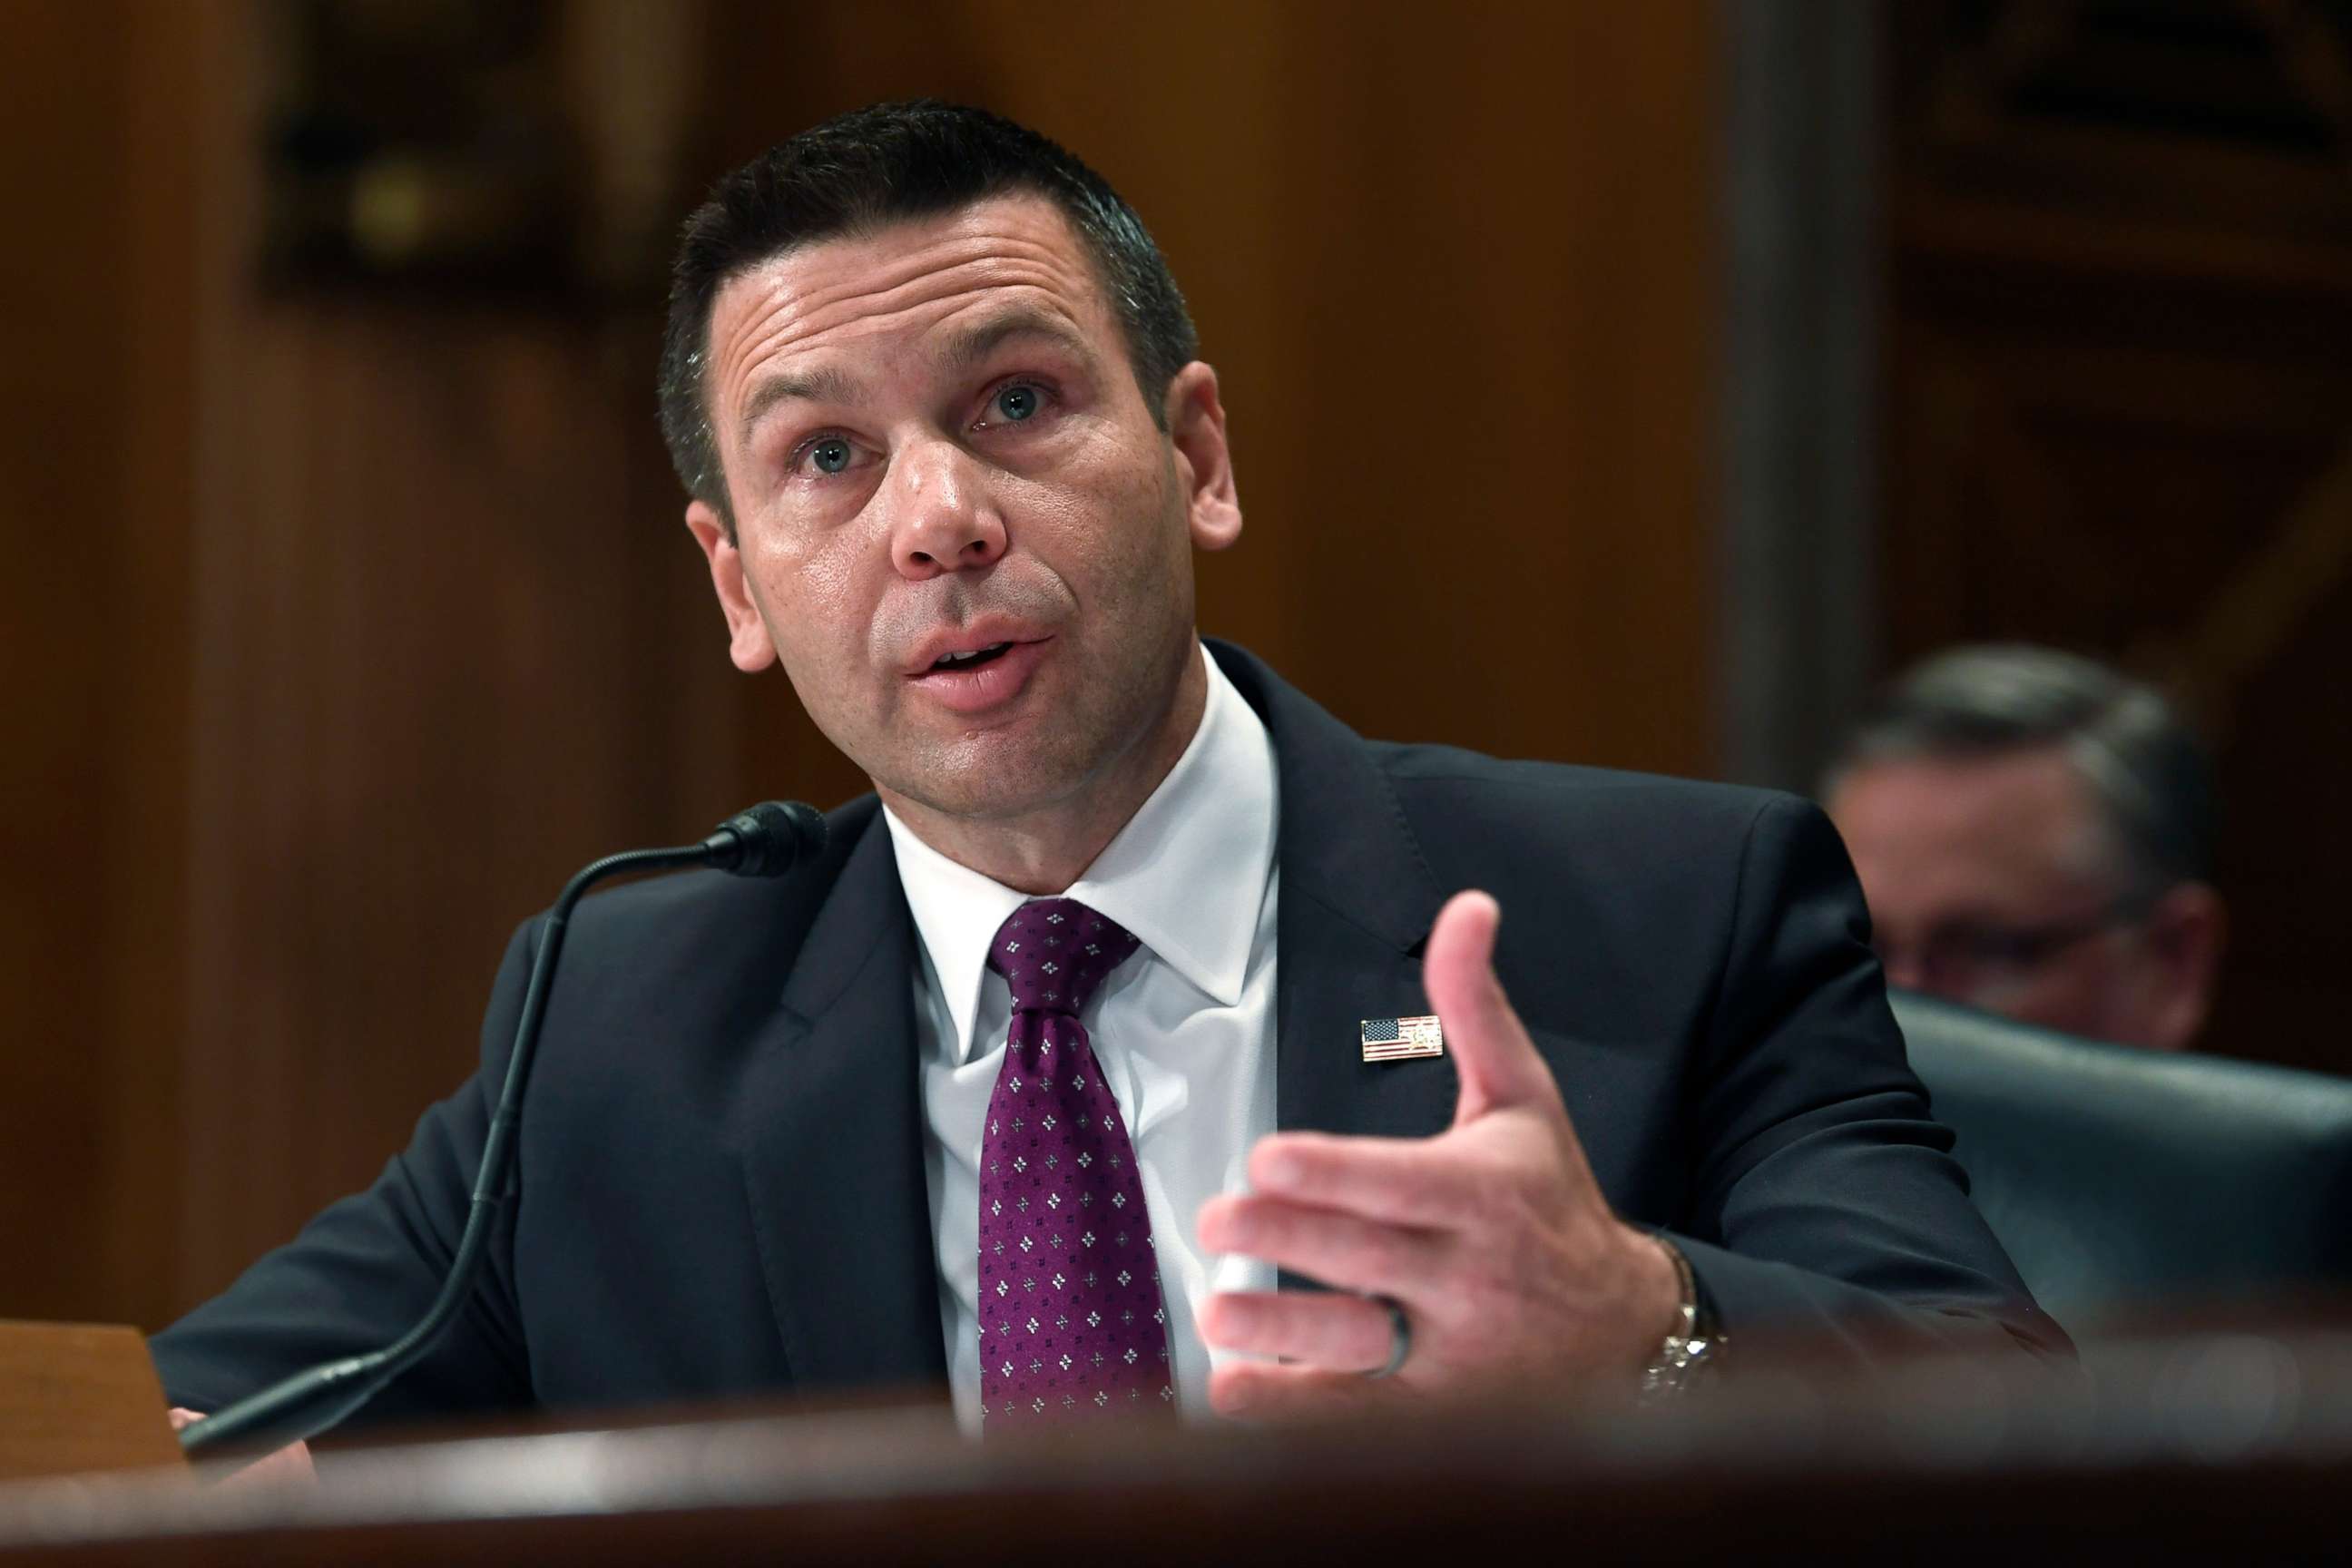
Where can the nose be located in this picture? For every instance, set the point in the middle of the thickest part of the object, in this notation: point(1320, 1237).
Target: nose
point(944, 519)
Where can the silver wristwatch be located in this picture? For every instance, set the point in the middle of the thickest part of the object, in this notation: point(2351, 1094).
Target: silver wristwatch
point(1692, 1349)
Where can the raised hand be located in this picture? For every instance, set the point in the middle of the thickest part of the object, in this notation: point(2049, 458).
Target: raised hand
point(1492, 1237)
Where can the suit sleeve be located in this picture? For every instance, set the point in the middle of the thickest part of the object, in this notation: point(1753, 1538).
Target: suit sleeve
point(1827, 1206)
point(364, 1270)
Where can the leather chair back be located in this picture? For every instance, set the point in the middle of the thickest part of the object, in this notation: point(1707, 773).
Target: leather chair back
point(2122, 1179)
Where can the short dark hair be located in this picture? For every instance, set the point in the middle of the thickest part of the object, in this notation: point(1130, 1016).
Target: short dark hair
point(879, 165)
point(2146, 769)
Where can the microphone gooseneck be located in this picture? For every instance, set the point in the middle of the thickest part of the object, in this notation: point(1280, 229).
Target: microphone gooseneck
point(767, 840)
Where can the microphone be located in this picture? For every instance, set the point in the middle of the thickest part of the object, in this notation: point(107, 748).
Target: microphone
point(767, 840)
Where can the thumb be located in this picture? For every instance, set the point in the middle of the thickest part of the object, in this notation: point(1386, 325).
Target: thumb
point(1492, 1054)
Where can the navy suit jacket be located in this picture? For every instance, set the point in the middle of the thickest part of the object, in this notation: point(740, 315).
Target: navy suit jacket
point(721, 1186)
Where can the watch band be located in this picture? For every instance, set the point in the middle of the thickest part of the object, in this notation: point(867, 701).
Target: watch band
point(1692, 1348)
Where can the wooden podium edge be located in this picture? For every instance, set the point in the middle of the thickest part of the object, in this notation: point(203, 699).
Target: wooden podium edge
point(79, 1397)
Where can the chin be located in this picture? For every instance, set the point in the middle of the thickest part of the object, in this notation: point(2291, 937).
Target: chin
point(989, 776)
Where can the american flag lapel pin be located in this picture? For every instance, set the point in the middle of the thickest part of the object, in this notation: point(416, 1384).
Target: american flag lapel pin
point(1397, 1039)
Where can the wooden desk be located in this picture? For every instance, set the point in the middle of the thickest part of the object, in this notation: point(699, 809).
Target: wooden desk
point(2213, 1445)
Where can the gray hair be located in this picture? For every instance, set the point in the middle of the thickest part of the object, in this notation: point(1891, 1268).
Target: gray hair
point(2147, 773)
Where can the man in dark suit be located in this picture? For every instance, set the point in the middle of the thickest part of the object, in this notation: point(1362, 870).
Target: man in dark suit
point(1137, 984)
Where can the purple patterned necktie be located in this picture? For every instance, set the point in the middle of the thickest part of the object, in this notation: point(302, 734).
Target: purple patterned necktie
point(1071, 1321)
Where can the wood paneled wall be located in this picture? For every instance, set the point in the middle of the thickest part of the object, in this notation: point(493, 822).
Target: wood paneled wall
point(97, 386)
point(389, 622)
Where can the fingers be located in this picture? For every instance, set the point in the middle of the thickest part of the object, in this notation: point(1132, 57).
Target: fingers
point(1398, 1181)
point(1497, 1061)
point(1339, 1250)
point(1256, 1390)
point(1334, 1332)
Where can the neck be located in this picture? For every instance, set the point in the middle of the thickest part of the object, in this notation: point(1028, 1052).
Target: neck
point(1041, 852)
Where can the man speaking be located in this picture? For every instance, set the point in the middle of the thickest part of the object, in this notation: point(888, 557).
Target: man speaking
point(1140, 995)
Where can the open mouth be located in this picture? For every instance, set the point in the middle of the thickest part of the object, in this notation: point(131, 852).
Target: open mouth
point(971, 682)
point(972, 660)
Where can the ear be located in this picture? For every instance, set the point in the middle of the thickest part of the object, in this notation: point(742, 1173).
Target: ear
point(748, 642)
point(1204, 464)
point(2186, 932)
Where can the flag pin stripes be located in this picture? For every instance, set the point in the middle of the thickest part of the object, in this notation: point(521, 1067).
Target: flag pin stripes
point(1396, 1039)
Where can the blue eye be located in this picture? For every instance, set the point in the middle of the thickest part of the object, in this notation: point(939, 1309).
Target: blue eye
point(830, 456)
point(1017, 403)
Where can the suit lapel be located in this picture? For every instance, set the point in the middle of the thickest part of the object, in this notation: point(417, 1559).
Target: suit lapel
point(831, 1131)
point(1357, 901)
point(1333, 975)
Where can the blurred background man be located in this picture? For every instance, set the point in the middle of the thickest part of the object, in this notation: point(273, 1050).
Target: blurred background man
point(2034, 834)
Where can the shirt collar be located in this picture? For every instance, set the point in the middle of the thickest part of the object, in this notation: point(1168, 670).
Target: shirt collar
point(1186, 874)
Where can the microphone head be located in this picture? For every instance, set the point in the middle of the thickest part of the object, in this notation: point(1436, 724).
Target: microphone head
point(768, 839)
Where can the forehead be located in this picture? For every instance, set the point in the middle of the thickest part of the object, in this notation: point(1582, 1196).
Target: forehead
point(865, 296)
point(2003, 833)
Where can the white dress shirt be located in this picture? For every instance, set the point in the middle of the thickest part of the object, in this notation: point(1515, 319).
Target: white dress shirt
point(1183, 1029)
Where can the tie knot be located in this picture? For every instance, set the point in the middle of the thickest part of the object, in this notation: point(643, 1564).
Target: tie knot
point(1055, 951)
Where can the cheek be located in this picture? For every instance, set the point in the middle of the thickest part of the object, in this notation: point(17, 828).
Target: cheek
point(1126, 536)
point(1083, 536)
point(801, 574)
point(809, 595)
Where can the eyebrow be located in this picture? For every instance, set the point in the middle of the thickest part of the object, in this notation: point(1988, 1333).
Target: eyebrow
point(965, 351)
point(827, 384)
point(969, 348)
